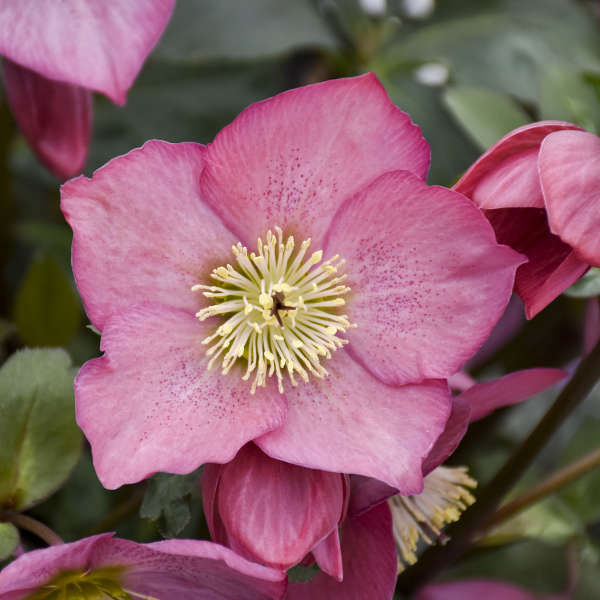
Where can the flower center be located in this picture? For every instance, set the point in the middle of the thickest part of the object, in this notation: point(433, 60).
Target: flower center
point(100, 584)
point(422, 516)
point(280, 309)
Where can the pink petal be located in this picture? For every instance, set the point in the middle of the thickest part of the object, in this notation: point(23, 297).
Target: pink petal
point(209, 482)
point(512, 388)
point(328, 555)
point(55, 118)
point(428, 279)
point(461, 381)
point(370, 562)
point(552, 266)
point(275, 512)
point(350, 422)
point(569, 166)
point(474, 590)
point(366, 493)
point(95, 45)
point(293, 159)
point(453, 433)
point(506, 175)
point(151, 399)
point(141, 232)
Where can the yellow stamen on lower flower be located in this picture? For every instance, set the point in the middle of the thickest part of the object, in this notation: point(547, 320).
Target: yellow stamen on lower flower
point(423, 516)
point(280, 311)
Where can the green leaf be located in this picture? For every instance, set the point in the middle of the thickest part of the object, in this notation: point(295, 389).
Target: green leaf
point(484, 115)
point(587, 287)
point(566, 95)
point(166, 501)
point(204, 29)
point(9, 539)
point(40, 441)
point(47, 311)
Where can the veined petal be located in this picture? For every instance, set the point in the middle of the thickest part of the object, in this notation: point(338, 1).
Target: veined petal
point(369, 559)
point(141, 232)
point(96, 45)
point(275, 512)
point(150, 398)
point(485, 397)
point(55, 118)
point(293, 159)
point(351, 422)
point(506, 175)
point(553, 266)
point(428, 279)
point(569, 167)
point(328, 555)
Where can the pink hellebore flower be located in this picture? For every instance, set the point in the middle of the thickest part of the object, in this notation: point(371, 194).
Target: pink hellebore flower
point(329, 365)
point(539, 186)
point(281, 515)
point(56, 53)
point(106, 567)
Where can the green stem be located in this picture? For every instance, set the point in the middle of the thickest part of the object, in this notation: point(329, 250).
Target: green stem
point(32, 525)
point(462, 533)
point(546, 487)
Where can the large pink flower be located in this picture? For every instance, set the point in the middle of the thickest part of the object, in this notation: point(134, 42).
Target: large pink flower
point(327, 365)
point(104, 566)
point(540, 188)
point(56, 53)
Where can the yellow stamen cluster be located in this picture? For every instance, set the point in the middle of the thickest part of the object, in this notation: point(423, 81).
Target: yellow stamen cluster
point(280, 310)
point(423, 516)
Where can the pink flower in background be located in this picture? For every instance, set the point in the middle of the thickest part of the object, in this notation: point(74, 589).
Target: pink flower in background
point(539, 186)
point(104, 566)
point(57, 53)
point(476, 589)
point(181, 264)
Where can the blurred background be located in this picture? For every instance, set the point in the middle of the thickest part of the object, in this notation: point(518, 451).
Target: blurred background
point(467, 71)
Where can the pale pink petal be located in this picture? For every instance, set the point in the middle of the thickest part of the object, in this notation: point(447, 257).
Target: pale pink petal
point(35, 568)
point(591, 331)
point(569, 167)
point(453, 433)
point(141, 232)
point(55, 118)
point(275, 512)
point(474, 590)
point(512, 388)
point(552, 266)
point(370, 562)
point(366, 493)
point(350, 422)
point(293, 159)
point(96, 45)
point(328, 555)
point(461, 381)
point(428, 279)
point(506, 175)
point(151, 399)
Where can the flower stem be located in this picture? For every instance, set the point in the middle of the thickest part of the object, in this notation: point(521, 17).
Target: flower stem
point(32, 525)
point(546, 487)
point(462, 533)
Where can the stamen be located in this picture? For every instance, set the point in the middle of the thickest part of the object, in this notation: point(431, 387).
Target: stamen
point(423, 516)
point(279, 311)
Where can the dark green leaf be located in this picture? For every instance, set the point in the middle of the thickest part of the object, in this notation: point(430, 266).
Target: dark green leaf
point(47, 312)
point(166, 501)
point(40, 440)
point(485, 115)
point(204, 29)
point(9, 539)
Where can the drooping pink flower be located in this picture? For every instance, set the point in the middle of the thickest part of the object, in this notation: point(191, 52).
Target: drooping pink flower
point(327, 365)
point(57, 53)
point(480, 588)
point(104, 566)
point(539, 186)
